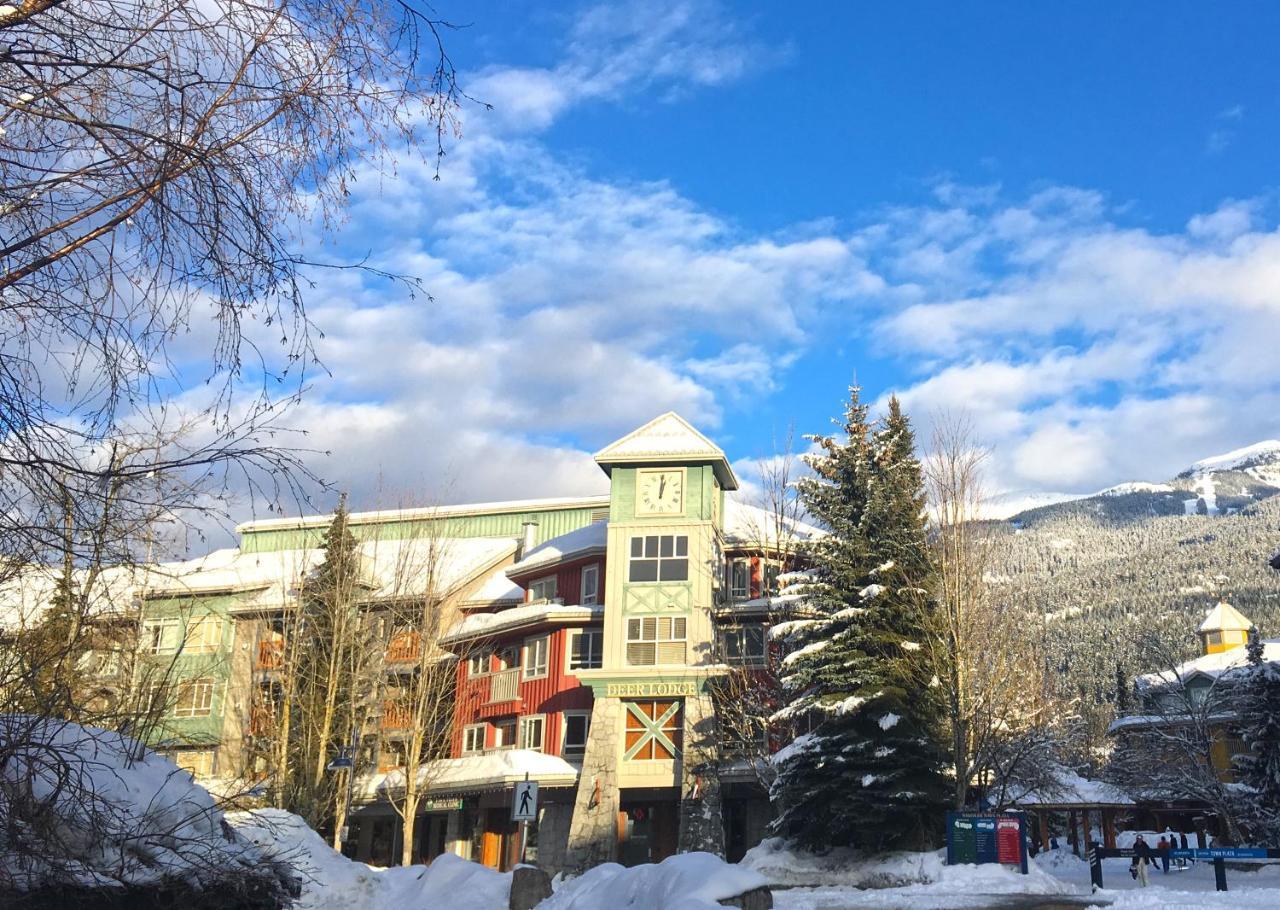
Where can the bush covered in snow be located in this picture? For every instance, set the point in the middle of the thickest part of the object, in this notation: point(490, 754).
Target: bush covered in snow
point(92, 817)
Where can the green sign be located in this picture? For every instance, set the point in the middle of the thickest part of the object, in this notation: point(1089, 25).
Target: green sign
point(963, 840)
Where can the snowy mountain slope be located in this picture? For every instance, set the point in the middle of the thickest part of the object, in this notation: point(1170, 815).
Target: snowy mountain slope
point(1219, 485)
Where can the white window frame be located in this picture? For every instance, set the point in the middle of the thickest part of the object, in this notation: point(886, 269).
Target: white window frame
point(664, 632)
point(168, 640)
point(743, 658)
point(538, 584)
point(735, 591)
point(206, 644)
point(530, 667)
point(596, 651)
point(178, 756)
point(499, 727)
point(678, 541)
point(590, 596)
point(565, 748)
point(482, 659)
point(530, 720)
point(470, 730)
point(206, 686)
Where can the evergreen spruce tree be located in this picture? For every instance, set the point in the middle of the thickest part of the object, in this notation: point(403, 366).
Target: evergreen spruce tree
point(868, 772)
point(1259, 769)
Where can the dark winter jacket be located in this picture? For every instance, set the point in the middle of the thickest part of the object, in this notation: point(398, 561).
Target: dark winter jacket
point(1142, 851)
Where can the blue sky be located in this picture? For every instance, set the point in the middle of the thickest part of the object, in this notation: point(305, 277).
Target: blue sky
point(1059, 219)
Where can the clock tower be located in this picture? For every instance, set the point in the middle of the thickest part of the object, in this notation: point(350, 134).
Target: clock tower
point(649, 741)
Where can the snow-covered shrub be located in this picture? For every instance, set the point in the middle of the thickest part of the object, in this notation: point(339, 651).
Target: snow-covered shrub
point(91, 817)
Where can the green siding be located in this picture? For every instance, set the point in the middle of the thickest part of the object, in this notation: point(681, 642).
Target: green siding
point(217, 665)
point(551, 523)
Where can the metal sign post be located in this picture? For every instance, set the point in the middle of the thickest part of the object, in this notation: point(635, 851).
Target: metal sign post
point(524, 809)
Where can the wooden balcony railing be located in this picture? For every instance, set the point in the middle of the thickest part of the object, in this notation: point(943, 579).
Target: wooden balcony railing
point(395, 716)
point(262, 721)
point(504, 686)
point(270, 653)
point(405, 646)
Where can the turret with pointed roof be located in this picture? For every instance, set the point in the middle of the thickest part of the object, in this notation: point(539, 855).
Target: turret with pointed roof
point(668, 439)
point(1223, 628)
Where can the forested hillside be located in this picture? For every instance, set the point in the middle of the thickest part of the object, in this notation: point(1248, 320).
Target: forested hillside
point(1099, 578)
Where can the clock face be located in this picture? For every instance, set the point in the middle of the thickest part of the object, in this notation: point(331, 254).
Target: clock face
point(661, 493)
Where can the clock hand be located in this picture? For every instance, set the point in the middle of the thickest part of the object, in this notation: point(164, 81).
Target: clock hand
point(662, 485)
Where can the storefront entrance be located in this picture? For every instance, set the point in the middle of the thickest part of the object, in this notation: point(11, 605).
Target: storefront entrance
point(648, 831)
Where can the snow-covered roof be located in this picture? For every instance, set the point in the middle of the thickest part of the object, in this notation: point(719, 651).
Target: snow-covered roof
point(1212, 665)
point(581, 542)
point(495, 769)
point(670, 438)
point(479, 625)
point(1225, 618)
point(748, 525)
point(1069, 788)
point(497, 589)
point(427, 513)
point(388, 568)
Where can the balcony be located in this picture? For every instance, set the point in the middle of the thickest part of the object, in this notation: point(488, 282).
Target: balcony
point(395, 716)
point(504, 686)
point(270, 653)
point(405, 646)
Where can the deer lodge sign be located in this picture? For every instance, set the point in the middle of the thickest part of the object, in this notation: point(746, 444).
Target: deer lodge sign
point(650, 689)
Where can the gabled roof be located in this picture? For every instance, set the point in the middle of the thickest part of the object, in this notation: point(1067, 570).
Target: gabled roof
point(1211, 666)
point(669, 439)
point(1225, 618)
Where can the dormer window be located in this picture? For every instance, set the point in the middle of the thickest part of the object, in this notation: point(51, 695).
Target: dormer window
point(542, 589)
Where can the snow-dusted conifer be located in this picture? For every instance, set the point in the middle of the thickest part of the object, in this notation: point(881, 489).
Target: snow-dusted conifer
point(1259, 768)
point(868, 771)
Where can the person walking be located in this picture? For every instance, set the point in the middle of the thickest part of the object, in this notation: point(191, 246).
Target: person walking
point(1182, 842)
point(1142, 856)
point(1162, 847)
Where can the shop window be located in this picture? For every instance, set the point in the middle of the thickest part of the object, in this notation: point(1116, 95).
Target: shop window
point(652, 730)
point(586, 649)
point(656, 640)
point(659, 558)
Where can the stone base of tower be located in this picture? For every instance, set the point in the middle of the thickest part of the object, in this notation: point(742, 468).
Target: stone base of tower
point(593, 830)
point(701, 811)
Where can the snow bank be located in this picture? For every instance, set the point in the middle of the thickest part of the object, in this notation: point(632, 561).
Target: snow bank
point(91, 808)
point(330, 881)
point(906, 873)
point(688, 881)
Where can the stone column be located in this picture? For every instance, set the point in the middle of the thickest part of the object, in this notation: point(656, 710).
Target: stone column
point(593, 832)
point(701, 815)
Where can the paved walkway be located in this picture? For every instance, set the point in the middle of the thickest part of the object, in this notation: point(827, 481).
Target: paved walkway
point(853, 899)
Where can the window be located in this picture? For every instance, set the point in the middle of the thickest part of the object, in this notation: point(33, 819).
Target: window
point(204, 635)
point(590, 585)
point(508, 657)
point(196, 762)
point(478, 664)
point(771, 571)
point(532, 729)
point(586, 649)
point(104, 663)
point(159, 636)
point(743, 644)
point(473, 739)
point(576, 725)
point(656, 640)
point(535, 657)
point(194, 698)
point(504, 734)
point(740, 579)
point(542, 589)
point(659, 558)
point(652, 730)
